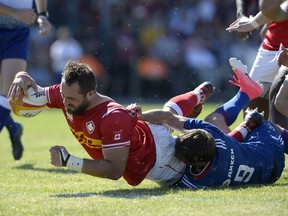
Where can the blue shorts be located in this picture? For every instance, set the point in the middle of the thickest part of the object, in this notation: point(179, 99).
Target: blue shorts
point(266, 135)
point(14, 43)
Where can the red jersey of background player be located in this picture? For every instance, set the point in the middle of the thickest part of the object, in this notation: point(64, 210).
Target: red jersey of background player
point(110, 125)
point(276, 34)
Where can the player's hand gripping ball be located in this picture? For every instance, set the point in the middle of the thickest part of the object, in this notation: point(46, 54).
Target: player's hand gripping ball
point(31, 105)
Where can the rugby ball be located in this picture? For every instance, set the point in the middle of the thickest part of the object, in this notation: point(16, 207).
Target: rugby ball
point(31, 105)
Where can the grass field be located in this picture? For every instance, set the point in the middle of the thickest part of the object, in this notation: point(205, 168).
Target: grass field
point(32, 186)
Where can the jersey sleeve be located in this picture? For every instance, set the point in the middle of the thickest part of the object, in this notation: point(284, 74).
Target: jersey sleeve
point(54, 97)
point(192, 123)
point(117, 128)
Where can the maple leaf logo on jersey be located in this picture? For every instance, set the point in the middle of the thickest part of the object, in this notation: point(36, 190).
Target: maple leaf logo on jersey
point(117, 135)
point(132, 113)
point(90, 126)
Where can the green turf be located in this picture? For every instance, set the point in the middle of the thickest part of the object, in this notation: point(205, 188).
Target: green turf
point(32, 186)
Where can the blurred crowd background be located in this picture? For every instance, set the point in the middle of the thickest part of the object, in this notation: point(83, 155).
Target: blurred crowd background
point(143, 49)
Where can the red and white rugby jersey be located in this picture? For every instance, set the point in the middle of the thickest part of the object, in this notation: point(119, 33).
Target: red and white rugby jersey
point(107, 126)
point(276, 34)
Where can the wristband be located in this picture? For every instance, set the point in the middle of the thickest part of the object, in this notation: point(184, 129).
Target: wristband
point(243, 130)
point(246, 126)
point(44, 13)
point(254, 23)
point(75, 163)
point(64, 157)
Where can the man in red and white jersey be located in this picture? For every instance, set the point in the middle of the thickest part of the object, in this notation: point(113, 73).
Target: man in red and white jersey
point(266, 68)
point(118, 143)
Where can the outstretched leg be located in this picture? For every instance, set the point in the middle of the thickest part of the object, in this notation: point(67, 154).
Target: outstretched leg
point(226, 114)
point(190, 104)
point(15, 130)
point(252, 120)
point(9, 68)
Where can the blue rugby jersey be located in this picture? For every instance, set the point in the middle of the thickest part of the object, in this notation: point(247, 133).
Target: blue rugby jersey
point(249, 162)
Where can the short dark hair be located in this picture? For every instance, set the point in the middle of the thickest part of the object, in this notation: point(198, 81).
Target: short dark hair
point(196, 145)
point(80, 73)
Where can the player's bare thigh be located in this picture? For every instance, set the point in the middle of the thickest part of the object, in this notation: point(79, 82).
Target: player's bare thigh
point(219, 121)
point(281, 98)
point(9, 68)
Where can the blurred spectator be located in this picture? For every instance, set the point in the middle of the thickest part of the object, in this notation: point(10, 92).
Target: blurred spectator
point(167, 47)
point(153, 74)
point(198, 57)
point(125, 53)
point(206, 10)
point(40, 64)
point(183, 19)
point(152, 68)
point(99, 71)
point(65, 48)
point(189, 37)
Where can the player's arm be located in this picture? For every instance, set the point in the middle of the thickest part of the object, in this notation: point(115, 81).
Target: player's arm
point(251, 24)
point(115, 130)
point(6, 10)
point(158, 116)
point(111, 167)
point(42, 20)
point(41, 6)
point(26, 15)
point(242, 8)
point(275, 10)
point(282, 97)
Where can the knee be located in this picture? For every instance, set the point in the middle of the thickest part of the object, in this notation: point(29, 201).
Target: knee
point(215, 119)
point(210, 118)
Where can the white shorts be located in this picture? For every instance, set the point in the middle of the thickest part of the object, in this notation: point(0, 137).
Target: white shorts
point(167, 169)
point(265, 66)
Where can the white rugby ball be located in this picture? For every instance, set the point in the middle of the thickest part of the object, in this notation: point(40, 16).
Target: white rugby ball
point(31, 105)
